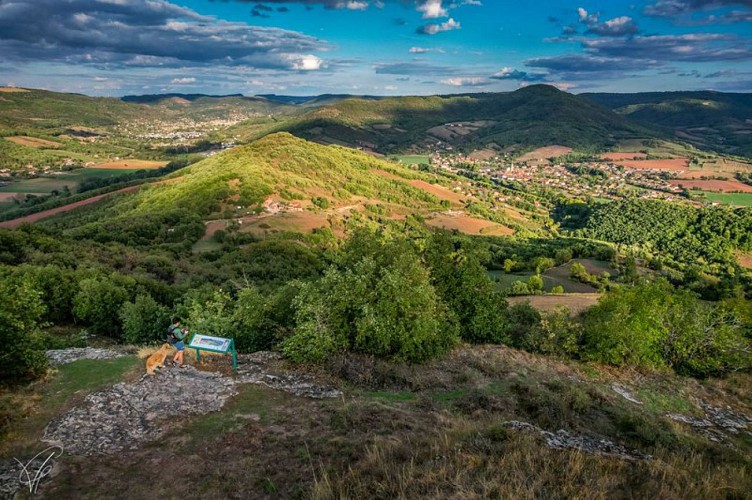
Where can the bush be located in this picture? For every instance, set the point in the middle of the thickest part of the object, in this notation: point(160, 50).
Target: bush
point(144, 320)
point(21, 309)
point(379, 301)
point(98, 303)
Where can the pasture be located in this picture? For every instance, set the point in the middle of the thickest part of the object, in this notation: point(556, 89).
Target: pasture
point(32, 142)
point(413, 159)
point(735, 199)
point(46, 185)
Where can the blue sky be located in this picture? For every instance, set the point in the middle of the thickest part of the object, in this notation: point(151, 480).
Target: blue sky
point(378, 47)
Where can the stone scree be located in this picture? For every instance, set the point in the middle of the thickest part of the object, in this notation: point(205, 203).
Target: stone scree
point(125, 415)
point(64, 356)
point(562, 440)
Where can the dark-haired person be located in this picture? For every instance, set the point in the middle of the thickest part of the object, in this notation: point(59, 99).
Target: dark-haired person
point(176, 335)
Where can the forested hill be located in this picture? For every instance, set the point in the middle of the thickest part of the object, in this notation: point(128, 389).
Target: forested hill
point(537, 115)
point(237, 182)
point(714, 120)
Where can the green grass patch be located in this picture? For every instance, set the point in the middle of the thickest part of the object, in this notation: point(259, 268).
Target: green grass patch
point(413, 159)
point(736, 199)
point(49, 399)
point(448, 396)
point(252, 402)
point(390, 396)
point(661, 403)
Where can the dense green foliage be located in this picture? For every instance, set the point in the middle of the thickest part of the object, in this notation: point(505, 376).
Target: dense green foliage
point(654, 325)
point(21, 310)
point(684, 233)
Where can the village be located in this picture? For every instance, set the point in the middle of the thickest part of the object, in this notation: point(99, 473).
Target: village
point(601, 179)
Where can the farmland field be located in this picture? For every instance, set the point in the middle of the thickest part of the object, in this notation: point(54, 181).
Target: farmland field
point(551, 278)
point(32, 142)
point(737, 199)
point(673, 165)
point(46, 185)
point(469, 225)
point(713, 185)
point(623, 156)
point(131, 165)
point(545, 153)
point(575, 302)
point(413, 159)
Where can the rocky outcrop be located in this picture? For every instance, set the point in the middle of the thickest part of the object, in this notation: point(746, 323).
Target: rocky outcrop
point(63, 356)
point(717, 424)
point(125, 416)
point(563, 440)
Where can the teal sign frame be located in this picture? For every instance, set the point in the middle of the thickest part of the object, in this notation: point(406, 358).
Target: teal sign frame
point(220, 345)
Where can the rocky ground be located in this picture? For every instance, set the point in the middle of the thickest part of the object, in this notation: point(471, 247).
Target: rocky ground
point(127, 415)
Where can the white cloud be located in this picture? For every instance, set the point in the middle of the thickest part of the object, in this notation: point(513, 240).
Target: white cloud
point(470, 81)
point(432, 29)
point(305, 62)
point(180, 81)
point(432, 9)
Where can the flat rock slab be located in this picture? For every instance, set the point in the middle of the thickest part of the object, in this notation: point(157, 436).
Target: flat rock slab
point(64, 356)
point(260, 368)
point(563, 440)
point(718, 424)
point(125, 416)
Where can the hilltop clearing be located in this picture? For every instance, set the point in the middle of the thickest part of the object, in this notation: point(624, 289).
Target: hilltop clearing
point(481, 421)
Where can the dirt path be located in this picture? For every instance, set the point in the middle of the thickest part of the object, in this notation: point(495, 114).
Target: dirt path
point(28, 219)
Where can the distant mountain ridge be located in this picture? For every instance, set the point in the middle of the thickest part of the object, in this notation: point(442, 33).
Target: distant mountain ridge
point(536, 115)
point(152, 98)
point(707, 119)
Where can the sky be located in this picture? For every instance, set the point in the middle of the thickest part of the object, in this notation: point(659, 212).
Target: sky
point(374, 47)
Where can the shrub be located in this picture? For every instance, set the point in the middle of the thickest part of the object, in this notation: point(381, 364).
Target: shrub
point(21, 310)
point(144, 320)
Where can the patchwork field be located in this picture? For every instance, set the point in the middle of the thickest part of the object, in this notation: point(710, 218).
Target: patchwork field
point(713, 185)
point(32, 142)
point(576, 303)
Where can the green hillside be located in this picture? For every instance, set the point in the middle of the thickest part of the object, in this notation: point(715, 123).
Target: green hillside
point(533, 116)
point(710, 120)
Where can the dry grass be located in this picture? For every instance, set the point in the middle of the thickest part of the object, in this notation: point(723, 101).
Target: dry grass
point(574, 302)
point(12, 90)
point(131, 164)
point(33, 142)
point(439, 191)
point(469, 225)
point(545, 153)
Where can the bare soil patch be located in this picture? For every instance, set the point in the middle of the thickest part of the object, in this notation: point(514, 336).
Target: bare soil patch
point(469, 225)
point(623, 156)
point(713, 185)
point(745, 259)
point(131, 164)
point(33, 142)
point(699, 174)
point(672, 165)
point(575, 302)
point(545, 153)
point(438, 191)
point(298, 222)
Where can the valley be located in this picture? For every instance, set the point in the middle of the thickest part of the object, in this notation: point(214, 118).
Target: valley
point(530, 275)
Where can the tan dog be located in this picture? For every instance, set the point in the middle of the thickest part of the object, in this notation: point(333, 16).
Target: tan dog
point(157, 359)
